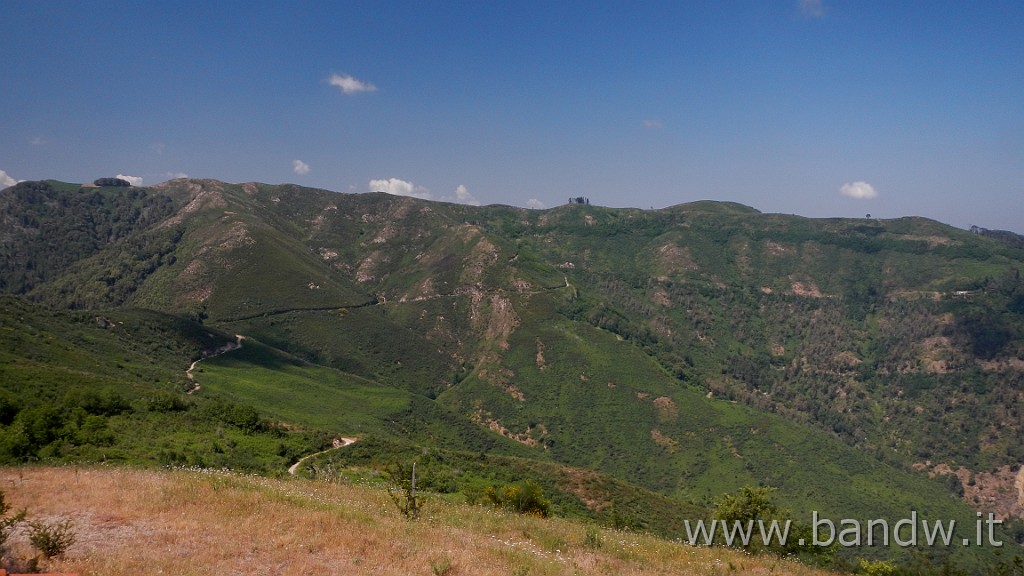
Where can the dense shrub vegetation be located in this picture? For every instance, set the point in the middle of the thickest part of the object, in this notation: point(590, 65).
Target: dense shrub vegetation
point(692, 350)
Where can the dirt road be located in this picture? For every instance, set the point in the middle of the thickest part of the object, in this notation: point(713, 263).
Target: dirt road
point(337, 443)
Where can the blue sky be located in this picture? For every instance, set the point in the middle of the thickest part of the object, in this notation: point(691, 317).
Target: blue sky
point(818, 108)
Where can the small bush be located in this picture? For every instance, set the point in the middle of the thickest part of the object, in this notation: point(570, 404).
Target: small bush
point(441, 567)
point(51, 539)
point(525, 497)
point(877, 568)
point(7, 522)
point(747, 504)
point(750, 505)
point(402, 489)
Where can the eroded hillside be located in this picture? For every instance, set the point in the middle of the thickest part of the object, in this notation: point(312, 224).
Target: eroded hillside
point(691, 350)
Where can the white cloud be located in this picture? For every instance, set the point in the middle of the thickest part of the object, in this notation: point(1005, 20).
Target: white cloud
point(6, 180)
point(350, 85)
point(535, 204)
point(173, 175)
point(133, 180)
point(300, 167)
point(400, 188)
point(462, 196)
point(650, 123)
point(858, 190)
point(812, 8)
point(37, 141)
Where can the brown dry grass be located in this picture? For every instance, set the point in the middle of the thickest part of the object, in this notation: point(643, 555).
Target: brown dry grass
point(192, 522)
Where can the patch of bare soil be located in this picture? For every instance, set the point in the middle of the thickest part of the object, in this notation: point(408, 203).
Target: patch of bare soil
point(540, 356)
point(675, 259)
point(1000, 492)
point(367, 268)
point(666, 409)
point(932, 241)
point(935, 352)
point(493, 315)
point(482, 256)
point(661, 297)
point(205, 194)
point(1002, 364)
point(776, 249)
point(235, 236)
point(663, 440)
point(492, 372)
point(810, 290)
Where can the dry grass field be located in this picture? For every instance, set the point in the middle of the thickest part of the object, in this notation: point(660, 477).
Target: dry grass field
point(182, 522)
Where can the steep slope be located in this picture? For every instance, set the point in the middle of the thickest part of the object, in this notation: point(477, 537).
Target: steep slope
point(111, 234)
point(691, 350)
point(841, 322)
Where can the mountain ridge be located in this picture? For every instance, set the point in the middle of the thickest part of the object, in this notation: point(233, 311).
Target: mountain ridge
point(691, 350)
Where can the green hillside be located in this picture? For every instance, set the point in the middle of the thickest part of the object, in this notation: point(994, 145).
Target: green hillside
point(686, 352)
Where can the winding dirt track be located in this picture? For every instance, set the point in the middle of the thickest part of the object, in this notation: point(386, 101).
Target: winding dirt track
point(338, 443)
point(222, 350)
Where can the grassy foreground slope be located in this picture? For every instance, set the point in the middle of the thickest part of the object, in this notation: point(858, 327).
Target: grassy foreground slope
point(212, 523)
